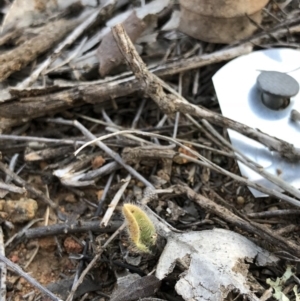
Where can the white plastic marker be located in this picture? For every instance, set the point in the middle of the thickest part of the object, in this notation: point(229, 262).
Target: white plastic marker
point(241, 98)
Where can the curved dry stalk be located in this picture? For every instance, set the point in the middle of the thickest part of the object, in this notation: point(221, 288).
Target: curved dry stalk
point(114, 202)
point(204, 161)
point(104, 147)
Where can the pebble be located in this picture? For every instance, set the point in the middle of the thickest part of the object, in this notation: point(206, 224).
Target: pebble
point(72, 246)
point(48, 243)
point(273, 208)
point(20, 211)
point(240, 200)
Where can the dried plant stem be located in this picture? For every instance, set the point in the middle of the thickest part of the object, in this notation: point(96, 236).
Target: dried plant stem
point(12, 188)
point(204, 162)
point(277, 241)
point(69, 40)
point(254, 166)
point(3, 270)
point(93, 262)
point(112, 206)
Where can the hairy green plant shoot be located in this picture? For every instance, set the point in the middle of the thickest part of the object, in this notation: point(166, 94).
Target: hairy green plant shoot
point(141, 229)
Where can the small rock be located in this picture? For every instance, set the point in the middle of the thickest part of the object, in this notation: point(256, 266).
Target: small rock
point(273, 208)
point(97, 162)
point(140, 184)
point(3, 215)
point(2, 202)
point(21, 211)
point(70, 198)
point(72, 246)
point(240, 200)
point(14, 258)
point(47, 243)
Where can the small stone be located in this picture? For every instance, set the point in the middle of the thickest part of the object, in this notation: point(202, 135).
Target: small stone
point(72, 246)
point(14, 258)
point(70, 198)
point(97, 162)
point(18, 287)
point(21, 211)
point(140, 184)
point(3, 215)
point(240, 200)
point(47, 243)
point(2, 202)
point(273, 208)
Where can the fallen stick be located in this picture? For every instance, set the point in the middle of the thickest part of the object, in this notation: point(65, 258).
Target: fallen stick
point(25, 107)
point(280, 243)
point(172, 103)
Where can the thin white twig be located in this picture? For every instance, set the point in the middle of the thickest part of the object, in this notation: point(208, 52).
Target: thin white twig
point(3, 269)
point(112, 206)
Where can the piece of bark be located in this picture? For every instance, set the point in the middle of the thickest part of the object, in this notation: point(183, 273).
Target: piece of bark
point(108, 52)
point(143, 287)
point(62, 287)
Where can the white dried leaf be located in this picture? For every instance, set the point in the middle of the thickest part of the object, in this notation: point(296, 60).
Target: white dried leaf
point(152, 8)
point(218, 263)
point(69, 177)
point(278, 285)
point(173, 23)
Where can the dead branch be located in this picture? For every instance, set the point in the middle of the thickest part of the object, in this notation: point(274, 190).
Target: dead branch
point(70, 39)
point(170, 103)
point(25, 108)
point(62, 229)
point(201, 160)
point(12, 188)
point(251, 227)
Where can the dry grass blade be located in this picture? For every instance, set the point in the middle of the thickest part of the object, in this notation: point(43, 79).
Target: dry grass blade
point(114, 202)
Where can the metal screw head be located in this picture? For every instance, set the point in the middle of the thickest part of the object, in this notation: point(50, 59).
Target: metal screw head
point(276, 88)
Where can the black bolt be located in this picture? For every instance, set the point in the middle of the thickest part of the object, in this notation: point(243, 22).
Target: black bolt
point(277, 88)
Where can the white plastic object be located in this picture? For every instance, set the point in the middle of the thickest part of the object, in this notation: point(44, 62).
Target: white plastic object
point(240, 100)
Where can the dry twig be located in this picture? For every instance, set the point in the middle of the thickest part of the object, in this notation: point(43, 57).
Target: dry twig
point(37, 193)
point(3, 270)
point(26, 276)
point(275, 240)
